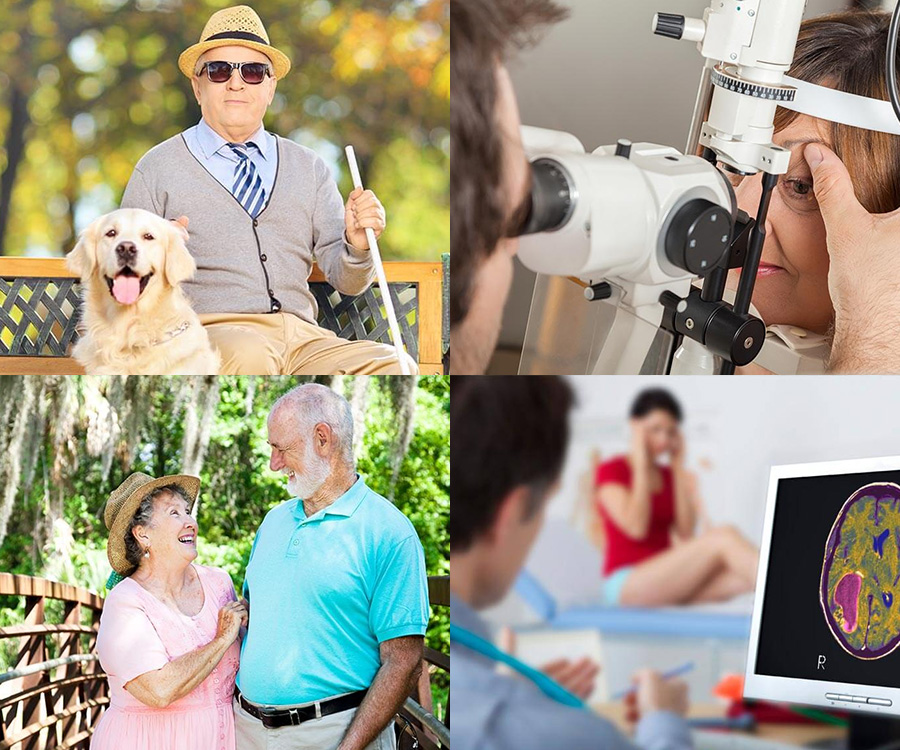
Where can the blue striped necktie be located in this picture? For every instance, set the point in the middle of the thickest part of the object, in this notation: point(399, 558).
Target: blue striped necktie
point(247, 187)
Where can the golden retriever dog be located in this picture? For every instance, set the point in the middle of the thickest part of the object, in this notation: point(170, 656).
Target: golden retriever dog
point(135, 318)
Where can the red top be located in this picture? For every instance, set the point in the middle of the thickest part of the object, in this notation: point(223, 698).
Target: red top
point(622, 549)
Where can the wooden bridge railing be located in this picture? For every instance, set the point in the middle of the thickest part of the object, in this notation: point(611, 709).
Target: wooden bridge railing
point(430, 732)
point(54, 703)
point(51, 702)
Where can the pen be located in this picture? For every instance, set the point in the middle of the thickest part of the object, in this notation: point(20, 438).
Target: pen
point(676, 672)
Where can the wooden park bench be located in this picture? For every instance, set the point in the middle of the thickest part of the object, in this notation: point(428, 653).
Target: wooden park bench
point(39, 311)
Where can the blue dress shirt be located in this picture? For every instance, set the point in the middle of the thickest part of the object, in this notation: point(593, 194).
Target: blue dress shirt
point(212, 151)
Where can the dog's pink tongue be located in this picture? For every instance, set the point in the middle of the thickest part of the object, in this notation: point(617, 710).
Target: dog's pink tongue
point(126, 289)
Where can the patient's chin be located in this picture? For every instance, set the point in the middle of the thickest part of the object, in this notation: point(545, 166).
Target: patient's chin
point(127, 286)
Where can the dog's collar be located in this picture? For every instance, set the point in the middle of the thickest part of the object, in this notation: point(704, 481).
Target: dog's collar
point(171, 334)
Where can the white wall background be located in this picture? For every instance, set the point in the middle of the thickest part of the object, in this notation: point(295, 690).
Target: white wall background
point(602, 75)
point(737, 428)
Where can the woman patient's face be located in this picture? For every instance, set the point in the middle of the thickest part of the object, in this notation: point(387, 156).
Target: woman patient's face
point(792, 282)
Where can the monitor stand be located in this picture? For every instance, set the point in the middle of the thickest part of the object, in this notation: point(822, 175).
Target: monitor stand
point(866, 732)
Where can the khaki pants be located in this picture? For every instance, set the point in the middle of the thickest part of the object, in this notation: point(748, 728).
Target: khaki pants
point(283, 344)
point(315, 734)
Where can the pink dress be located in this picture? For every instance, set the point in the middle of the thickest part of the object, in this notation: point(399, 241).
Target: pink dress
point(138, 634)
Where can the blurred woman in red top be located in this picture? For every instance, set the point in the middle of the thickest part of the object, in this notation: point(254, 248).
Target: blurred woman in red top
point(654, 554)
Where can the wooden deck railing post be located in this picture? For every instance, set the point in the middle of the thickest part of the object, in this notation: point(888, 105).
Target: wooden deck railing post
point(69, 694)
point(33, 649)
point(95, 689)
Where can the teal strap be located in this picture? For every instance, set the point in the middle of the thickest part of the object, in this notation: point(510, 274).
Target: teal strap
point(547, 685)
point(113, 579)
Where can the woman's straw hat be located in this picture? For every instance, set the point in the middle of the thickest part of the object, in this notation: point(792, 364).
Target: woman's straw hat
point(241, 26)
point(121, 507)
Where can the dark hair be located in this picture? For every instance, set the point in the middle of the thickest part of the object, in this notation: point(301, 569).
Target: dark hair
point(846, 51)
point(652, 399)
point(481, 34)
point(507, 432)
point(133, 550)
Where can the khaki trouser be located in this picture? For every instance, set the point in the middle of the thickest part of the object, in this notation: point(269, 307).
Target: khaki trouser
point(283, 344)
point(315, 734)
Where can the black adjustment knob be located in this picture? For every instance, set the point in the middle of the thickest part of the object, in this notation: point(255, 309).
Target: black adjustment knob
point(737, 338)
point(698, 236)
point(598, 291)
point(669, 24)
point(623, 147)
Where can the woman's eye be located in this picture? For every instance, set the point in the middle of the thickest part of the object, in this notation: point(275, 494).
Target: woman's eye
point(801, 193)
point(799, 187)
point(802, 188)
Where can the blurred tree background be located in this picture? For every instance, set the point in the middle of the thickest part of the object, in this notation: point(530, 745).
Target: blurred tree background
point(67, 442)
point(88, 86)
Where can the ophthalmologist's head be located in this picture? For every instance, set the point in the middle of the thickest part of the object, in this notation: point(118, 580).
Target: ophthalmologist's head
point(489, 174)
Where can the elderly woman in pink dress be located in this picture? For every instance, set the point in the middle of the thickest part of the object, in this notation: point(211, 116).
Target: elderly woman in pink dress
point(169, 636)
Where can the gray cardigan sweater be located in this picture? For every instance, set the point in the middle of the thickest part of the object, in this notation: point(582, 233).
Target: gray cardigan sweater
point(247, 265)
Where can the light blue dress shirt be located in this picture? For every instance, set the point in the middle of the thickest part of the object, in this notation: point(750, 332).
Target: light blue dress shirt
point(213, 152)
point(490, 711)
point(324, 592)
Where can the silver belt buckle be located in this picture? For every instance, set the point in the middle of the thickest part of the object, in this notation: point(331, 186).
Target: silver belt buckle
point(295, 717)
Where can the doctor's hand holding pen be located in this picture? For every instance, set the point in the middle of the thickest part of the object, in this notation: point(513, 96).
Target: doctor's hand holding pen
point(653, 692)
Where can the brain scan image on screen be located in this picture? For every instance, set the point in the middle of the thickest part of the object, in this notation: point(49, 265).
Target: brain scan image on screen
point(860, 587)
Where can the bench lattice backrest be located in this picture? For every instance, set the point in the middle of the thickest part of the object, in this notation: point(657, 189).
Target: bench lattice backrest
point(40, 304)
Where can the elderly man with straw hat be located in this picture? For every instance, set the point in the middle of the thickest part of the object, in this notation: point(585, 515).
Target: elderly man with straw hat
point(261, 209)
point(169, 631)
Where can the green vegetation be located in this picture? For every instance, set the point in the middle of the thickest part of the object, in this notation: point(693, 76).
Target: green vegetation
point(88, 86)
point(66, 442)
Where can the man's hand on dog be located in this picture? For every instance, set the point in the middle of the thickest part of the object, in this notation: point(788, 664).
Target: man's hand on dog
point(363, 210)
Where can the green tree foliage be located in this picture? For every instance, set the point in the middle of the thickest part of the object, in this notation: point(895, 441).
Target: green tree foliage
point(88, 86)
point(67, 442)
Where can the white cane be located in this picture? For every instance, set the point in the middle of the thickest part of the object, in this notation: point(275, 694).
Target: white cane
point(379, 272)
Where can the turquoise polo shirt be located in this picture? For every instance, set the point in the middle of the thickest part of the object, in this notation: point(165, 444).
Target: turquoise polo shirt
point(324, 591)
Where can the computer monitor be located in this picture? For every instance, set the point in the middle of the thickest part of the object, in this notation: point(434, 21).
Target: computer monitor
point(826, 618)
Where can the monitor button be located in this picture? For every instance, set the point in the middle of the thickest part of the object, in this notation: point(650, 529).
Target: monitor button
point(859, 699)
point(878, 702)
point(833, 696)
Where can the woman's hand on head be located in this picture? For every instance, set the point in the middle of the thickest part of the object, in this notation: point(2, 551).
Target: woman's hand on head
point(863, 272)
point(640, 450)
point(677, 451)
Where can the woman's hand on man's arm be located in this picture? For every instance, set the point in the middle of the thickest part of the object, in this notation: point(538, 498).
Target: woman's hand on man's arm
point(180, 676)
point(864, 271)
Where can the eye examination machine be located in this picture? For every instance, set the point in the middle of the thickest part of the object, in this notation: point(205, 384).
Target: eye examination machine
point(632, 243)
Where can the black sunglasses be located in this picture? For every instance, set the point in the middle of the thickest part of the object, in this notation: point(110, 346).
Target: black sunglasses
point(220, 71)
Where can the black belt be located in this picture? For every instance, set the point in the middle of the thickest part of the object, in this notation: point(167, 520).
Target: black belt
point(288, 717)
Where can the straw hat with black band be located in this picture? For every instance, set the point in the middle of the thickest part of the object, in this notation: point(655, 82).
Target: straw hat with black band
point(122, 504)
point(241, 26)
